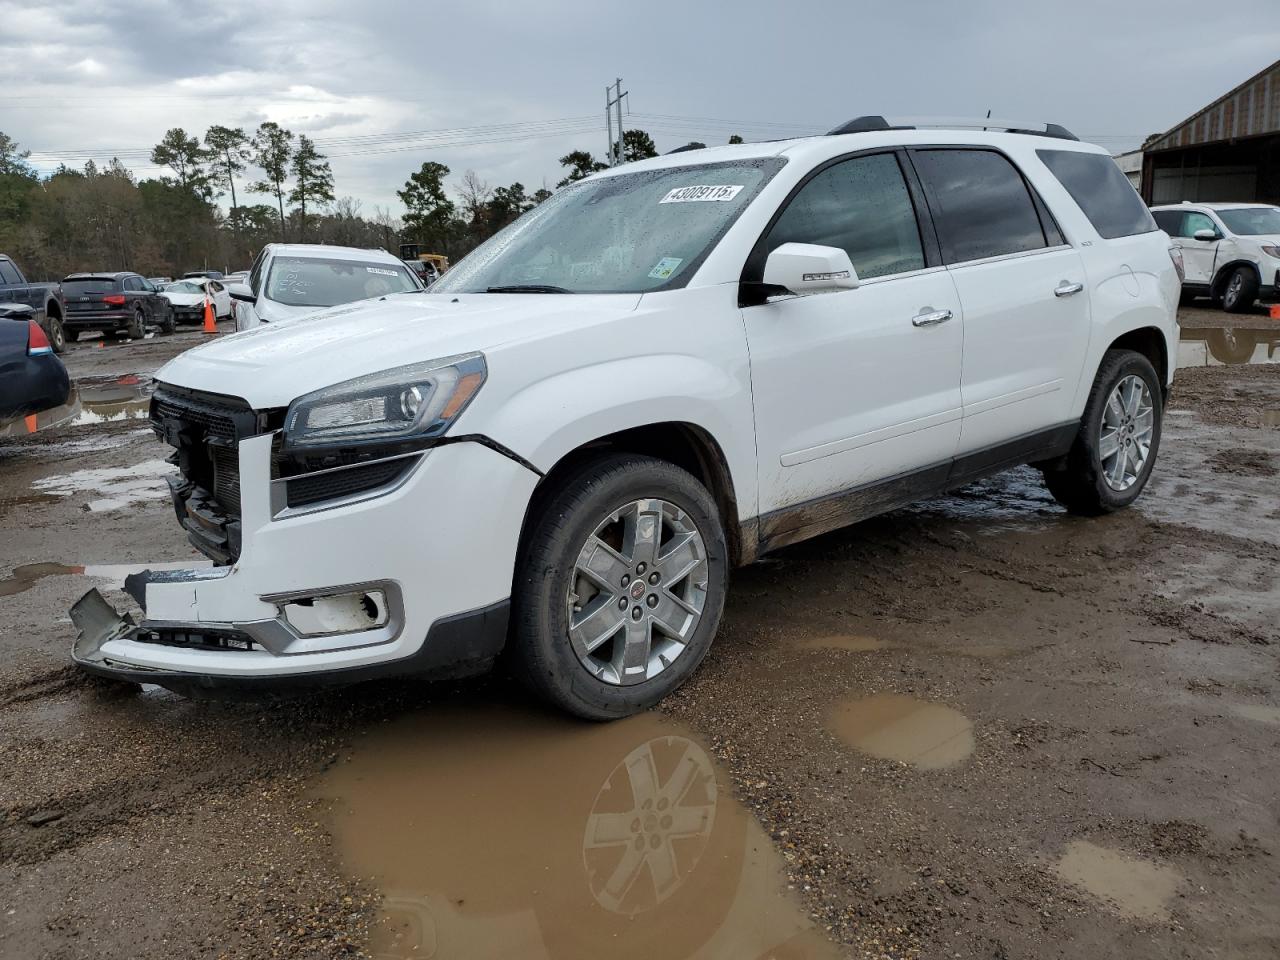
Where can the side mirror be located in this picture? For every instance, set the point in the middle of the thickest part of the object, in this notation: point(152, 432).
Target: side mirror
point(17, 311)
point(241, 292)
point(809, 268)
point(1206, 235)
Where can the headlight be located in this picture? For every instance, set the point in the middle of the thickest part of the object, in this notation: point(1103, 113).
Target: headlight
point(418, 401)
point(1271, 250)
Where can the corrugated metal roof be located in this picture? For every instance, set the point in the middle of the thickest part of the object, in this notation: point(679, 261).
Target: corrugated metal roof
point(1250, 110)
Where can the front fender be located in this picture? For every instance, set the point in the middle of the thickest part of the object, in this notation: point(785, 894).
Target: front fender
point(552, 417)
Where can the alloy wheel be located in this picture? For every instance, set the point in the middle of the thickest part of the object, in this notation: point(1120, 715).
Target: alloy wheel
point(637, 592)
point(1128, 424)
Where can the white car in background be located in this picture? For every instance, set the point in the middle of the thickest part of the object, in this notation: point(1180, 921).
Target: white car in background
point(1231, 251)
point(187, 299)
point(291, 280)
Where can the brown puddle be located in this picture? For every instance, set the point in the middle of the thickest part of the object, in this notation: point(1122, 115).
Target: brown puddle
point(1136, 889)
point(1249, 341)
point(855, 642)
point(497, 832)
point(890, 726)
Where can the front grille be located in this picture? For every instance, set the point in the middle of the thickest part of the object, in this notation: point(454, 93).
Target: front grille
point(222, 417)
point(226, 477)
point(205, 429)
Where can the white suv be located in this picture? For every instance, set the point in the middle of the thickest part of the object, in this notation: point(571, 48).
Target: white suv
point(289, 280)
point(1231, 250)
point(667, 369)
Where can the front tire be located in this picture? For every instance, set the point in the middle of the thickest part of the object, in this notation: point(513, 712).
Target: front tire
point(620, 586)
point(1115, 449)
point(169, 322)
point(1241, 291)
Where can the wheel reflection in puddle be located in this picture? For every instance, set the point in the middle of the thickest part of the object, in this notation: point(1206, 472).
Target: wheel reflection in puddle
point(495, 831)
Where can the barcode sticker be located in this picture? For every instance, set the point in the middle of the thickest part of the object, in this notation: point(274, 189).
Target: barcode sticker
point(705, 192)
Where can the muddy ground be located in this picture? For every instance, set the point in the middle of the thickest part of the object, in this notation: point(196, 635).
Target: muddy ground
point(977, 727)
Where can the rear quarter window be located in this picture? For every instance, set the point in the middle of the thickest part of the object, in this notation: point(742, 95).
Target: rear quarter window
point(1102, 192)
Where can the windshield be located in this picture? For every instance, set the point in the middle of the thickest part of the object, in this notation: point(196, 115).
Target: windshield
point(1252, 221)
point(321, 282)
point(184, 286)
point(630, 233)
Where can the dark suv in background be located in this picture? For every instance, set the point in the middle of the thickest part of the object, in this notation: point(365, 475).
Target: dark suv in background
point(122, 302)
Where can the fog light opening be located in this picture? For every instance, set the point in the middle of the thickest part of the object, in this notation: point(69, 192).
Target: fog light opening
point(341, 613)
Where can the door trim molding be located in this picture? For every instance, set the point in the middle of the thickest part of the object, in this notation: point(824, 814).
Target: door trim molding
point(810, 518)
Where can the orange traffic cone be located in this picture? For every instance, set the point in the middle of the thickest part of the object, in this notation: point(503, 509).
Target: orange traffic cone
point(209, 325)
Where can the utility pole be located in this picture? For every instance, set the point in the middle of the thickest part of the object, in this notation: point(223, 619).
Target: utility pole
point(613, 96)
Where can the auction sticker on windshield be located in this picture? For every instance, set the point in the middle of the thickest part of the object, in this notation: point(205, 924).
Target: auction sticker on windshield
point(665, 268)
point(379, 270)
point(723, 191)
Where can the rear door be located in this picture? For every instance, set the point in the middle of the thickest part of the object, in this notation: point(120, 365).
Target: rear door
point(135, 296)
point(1022, 287)
point(850, 387)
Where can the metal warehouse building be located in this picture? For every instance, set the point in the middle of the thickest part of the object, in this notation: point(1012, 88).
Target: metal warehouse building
point(1229, 151)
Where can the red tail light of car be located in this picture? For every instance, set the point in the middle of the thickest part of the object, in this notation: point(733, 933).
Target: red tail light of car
point(115, 299)
point(37, 343)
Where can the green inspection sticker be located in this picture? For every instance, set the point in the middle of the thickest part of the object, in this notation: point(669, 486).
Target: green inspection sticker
point(665, 267)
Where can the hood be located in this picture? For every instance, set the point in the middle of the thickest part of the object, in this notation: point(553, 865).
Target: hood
point(271, 365)
point(183, 299)
point(269, 311)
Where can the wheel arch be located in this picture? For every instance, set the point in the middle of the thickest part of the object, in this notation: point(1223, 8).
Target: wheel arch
point(1218, 287)
point(1151, 343)
point(686, 445)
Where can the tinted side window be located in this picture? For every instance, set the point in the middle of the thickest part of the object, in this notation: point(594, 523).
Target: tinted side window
point(1104, 193)
point(862, 206)
point(7, 273)
point(983, 208)
point(1170, 221)
point(133, 283)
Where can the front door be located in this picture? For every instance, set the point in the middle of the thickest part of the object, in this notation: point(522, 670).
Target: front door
point(1199, 257)
point(853, 387)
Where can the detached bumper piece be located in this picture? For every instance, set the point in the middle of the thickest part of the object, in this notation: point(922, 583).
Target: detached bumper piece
point(457, 646)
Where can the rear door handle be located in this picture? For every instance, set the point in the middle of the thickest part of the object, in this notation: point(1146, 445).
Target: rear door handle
point(1065, 289)
point(931, 318)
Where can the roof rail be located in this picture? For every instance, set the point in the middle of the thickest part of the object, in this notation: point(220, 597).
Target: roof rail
point(873, 122)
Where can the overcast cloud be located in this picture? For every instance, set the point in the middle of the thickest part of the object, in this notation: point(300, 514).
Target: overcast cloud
point(91, 79)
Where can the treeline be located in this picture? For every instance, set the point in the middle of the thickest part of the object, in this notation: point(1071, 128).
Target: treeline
point(104, 218)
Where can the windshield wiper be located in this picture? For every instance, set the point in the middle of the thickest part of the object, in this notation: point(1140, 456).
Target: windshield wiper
point(527, 288)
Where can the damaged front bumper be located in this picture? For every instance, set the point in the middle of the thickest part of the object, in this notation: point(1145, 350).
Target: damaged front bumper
point(412, 581)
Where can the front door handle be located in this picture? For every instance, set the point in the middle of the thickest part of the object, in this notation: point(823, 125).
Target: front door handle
point(1065, 289)
point(931, 318)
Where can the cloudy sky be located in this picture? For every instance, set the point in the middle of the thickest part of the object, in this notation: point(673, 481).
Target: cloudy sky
point(506, 88)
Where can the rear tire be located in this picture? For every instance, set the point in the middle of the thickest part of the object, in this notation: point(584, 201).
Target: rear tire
point(601, 518)
point(1086, 481)
point(1241, 291)
point(136, 329)
point(56, 332)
